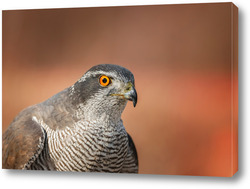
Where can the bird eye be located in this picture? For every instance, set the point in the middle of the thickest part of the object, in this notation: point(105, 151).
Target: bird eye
point(104, 80)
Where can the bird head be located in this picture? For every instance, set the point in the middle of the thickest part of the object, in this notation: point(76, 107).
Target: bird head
point(105, 88)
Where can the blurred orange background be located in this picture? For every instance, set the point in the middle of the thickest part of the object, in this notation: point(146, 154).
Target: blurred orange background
point(185, 122)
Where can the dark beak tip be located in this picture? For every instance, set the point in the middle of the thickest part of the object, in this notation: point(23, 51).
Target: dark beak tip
point(134, 103)
point(135, 100)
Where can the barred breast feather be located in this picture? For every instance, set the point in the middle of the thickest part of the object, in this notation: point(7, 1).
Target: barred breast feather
point(83, 147)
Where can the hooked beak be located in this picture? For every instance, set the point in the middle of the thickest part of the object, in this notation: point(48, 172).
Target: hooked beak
point(131, 95)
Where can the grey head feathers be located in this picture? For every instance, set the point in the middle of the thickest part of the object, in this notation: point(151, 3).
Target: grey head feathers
point(111, 100)
point(110, 69)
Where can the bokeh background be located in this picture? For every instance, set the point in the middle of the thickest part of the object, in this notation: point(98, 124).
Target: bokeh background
point(183, 57)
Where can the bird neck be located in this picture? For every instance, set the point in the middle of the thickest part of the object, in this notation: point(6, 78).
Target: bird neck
point(99, 108)
point(101, 114)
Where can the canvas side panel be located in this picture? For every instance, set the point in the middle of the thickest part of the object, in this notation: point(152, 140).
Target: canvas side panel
point(234, 76)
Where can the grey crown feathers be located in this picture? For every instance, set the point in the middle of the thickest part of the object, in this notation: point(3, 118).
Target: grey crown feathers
point(78, 129)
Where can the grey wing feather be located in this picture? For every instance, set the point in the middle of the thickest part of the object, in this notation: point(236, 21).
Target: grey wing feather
point(23, 141)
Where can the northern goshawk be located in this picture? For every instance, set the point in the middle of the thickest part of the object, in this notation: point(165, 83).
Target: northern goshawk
point(78, 129)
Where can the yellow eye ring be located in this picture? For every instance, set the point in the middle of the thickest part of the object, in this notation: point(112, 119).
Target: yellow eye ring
point(104, 80)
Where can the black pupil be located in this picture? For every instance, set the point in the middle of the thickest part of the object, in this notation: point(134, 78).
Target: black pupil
point(104, 80)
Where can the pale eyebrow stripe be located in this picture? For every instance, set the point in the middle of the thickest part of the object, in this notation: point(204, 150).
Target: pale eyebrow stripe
point(94, 73)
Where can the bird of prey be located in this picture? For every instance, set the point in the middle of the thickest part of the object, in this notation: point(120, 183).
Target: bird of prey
point(78, 129)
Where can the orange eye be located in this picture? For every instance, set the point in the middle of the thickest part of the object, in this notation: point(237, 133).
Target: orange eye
point(104, 80)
